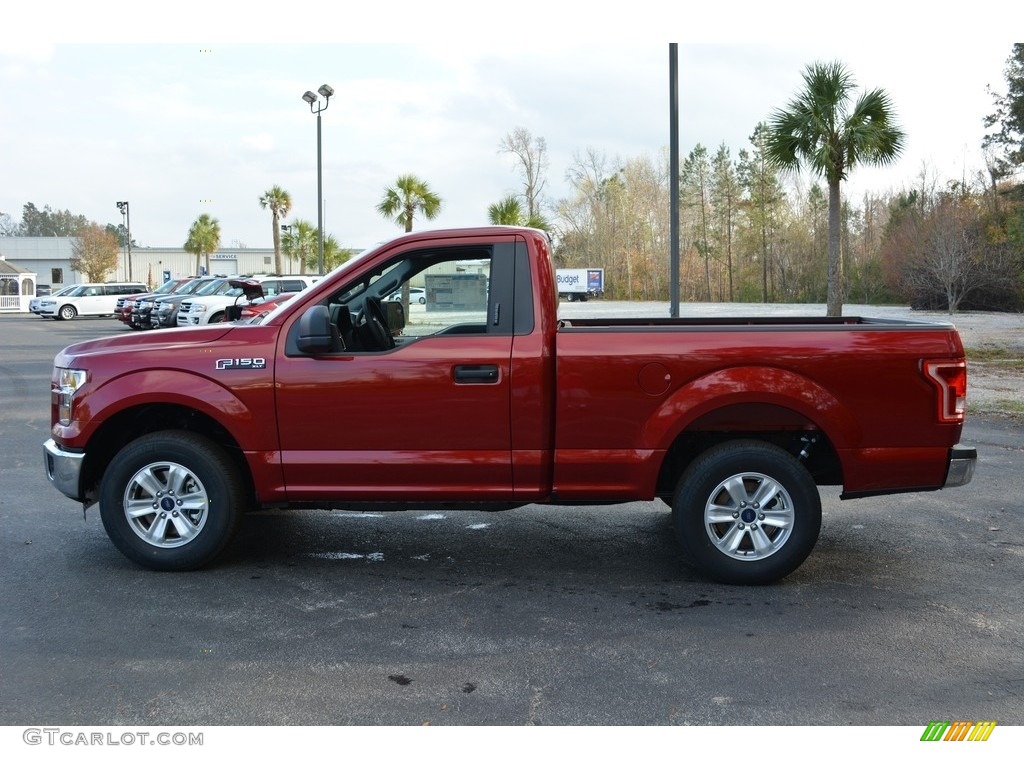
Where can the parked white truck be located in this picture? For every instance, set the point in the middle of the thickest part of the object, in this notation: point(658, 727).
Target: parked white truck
point(580, 284)
point(213, 307)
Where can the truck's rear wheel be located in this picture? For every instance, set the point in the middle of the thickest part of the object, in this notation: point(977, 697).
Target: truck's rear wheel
point(171, 501)
point(746, 512)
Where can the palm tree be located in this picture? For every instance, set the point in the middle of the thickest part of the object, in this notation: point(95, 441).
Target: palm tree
point(334, 254)
point(203, 239)
point(818, 129)
point(300, 242)
point(408, 195)
point(510, 211)
point(279, 202)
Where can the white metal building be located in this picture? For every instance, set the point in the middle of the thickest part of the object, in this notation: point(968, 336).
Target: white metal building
point(49, 258)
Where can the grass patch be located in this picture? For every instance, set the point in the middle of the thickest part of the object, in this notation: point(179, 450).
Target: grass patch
point(1007, 405)
point(1001, 405)
point(1001, 357)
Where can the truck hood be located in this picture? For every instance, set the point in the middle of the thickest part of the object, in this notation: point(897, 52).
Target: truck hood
point(142, 341)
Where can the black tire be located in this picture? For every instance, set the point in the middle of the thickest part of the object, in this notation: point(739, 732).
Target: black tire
point(67, 312)
point(196, 511)
point(217, 317)
point(725, 504)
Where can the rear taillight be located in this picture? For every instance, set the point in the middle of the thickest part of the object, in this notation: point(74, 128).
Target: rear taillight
point(950, 379)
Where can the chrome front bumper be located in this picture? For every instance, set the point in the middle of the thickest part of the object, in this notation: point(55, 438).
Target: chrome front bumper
point(64, 469)
point(961, 466)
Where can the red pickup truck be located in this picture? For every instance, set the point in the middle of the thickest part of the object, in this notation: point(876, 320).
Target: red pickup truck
point(482, 398)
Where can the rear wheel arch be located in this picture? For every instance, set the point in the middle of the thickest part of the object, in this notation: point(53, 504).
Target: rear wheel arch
point(784, 427)
point(750, 398)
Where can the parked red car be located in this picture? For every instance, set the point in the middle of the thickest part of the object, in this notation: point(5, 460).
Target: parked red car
point(258, 309)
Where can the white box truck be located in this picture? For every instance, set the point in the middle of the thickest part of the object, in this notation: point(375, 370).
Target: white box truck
point(580, 284)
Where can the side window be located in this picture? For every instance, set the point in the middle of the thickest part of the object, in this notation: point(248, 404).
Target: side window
point(459, 290)
point(454, 293)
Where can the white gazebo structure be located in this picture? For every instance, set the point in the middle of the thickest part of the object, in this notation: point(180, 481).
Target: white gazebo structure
point(17, 288)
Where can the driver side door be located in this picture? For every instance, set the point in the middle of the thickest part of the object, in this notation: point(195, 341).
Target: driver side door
point(426, 420)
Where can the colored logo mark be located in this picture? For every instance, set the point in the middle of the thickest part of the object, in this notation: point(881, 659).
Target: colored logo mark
point(958, 730)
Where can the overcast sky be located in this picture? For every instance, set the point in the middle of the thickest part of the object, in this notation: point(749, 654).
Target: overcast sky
point(197, 112)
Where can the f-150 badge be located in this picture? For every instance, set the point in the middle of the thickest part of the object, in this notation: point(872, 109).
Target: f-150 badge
point(234, 363)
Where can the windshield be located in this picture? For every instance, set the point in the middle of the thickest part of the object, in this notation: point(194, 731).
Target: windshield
point(298, 297)
point(190, 287)
point(214, 286)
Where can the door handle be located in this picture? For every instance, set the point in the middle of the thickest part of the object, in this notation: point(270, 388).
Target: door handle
point(476, 374)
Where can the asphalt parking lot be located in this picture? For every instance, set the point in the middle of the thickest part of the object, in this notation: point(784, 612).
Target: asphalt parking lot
point(909, 610)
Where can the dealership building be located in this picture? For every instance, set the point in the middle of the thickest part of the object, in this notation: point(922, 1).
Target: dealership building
point(27, 262)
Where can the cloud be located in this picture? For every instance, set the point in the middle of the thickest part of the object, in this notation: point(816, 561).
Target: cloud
point(259, 142)
point(16, 50)
point(19, 58)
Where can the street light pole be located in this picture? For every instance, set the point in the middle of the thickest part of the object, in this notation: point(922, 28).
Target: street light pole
point(286, 228)
point(126, 215)
point(314, 106)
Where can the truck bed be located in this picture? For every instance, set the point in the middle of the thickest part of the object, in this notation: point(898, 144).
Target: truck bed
point(853, 384)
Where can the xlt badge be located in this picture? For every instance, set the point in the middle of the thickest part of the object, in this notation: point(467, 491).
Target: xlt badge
point(232, 363)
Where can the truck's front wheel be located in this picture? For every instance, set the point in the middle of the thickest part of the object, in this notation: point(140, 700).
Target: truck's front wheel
point(171, 500)
point(746, 512)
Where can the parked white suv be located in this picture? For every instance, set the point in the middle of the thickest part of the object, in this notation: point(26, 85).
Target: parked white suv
point(33, 305)
point(87, 299)
point(211, 307)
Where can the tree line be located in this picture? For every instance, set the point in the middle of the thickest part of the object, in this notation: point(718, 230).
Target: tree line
point(753, 226)
point(752, 230)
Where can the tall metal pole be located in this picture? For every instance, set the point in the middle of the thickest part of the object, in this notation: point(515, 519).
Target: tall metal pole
point(124, 248)
point(673, 181)
point(122, 206)
point(316, 108)
point(319, 202)
point(128, 220)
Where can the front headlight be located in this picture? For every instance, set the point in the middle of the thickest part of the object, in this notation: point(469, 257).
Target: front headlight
point(198, 309)
point(69, 381)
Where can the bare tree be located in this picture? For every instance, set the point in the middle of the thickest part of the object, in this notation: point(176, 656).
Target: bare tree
point(94, 253)
point(942, 253)
point(7, 225)
point(531, 156)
